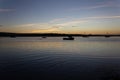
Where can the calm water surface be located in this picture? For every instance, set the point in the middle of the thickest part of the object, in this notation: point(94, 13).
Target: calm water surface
point(52, 58)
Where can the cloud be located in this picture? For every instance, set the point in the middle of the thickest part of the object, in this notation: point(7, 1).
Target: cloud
point(40, 27)
point(74, 26)
point(103, 17)
point(88, 7)
point(60, 26)
point(94, 7)
point(52, 29)
point(27, 25)
point(59, 20)
point(112, 3)
point(56, 20)
point(6, 10)
point(72, 23)
point(76, 23)
point(107, 3)
point(1, 25)
point(37, 25)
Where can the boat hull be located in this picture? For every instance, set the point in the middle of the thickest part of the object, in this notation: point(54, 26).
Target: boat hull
point(68, 38)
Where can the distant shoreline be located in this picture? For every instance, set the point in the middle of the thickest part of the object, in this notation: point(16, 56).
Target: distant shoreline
point(6, 34)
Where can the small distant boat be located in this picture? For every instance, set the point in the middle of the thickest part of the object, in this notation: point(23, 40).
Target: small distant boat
point(13, 36)
point(107, 36)
point(69, 38)
point(85, 36)
point(44, 37)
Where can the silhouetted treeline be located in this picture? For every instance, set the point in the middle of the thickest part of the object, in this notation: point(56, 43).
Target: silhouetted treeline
point(7, 34)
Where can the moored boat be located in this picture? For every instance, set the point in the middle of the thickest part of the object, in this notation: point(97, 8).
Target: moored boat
point(69, 38)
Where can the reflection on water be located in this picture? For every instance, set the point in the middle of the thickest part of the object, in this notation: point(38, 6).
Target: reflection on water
point(53, 58)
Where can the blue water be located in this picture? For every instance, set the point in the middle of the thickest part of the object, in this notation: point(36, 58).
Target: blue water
point(53, 58)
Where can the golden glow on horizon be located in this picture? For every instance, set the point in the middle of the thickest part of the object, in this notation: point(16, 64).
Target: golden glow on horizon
point(61, 30)
point(71, 32)
point(74, 27)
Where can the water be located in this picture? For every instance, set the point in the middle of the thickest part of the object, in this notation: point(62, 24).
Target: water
point(53, 58)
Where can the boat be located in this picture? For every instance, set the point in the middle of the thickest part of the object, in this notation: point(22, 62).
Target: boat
point(12, 36)
point(69, 38)
point(44, 37)
point(107, 36)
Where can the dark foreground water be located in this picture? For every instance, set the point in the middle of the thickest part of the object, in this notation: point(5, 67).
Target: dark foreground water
point(55, 59)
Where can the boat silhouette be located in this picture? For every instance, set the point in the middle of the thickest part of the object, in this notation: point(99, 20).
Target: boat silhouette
point(69, 38)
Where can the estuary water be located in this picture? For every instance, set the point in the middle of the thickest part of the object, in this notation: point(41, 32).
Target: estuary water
point(55, 59)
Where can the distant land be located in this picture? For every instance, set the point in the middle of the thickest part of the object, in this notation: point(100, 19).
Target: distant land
point(8, 34)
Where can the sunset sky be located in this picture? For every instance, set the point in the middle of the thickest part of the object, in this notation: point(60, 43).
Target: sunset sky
point(60, 16)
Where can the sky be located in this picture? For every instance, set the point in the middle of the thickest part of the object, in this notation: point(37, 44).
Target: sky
point(60, 16)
